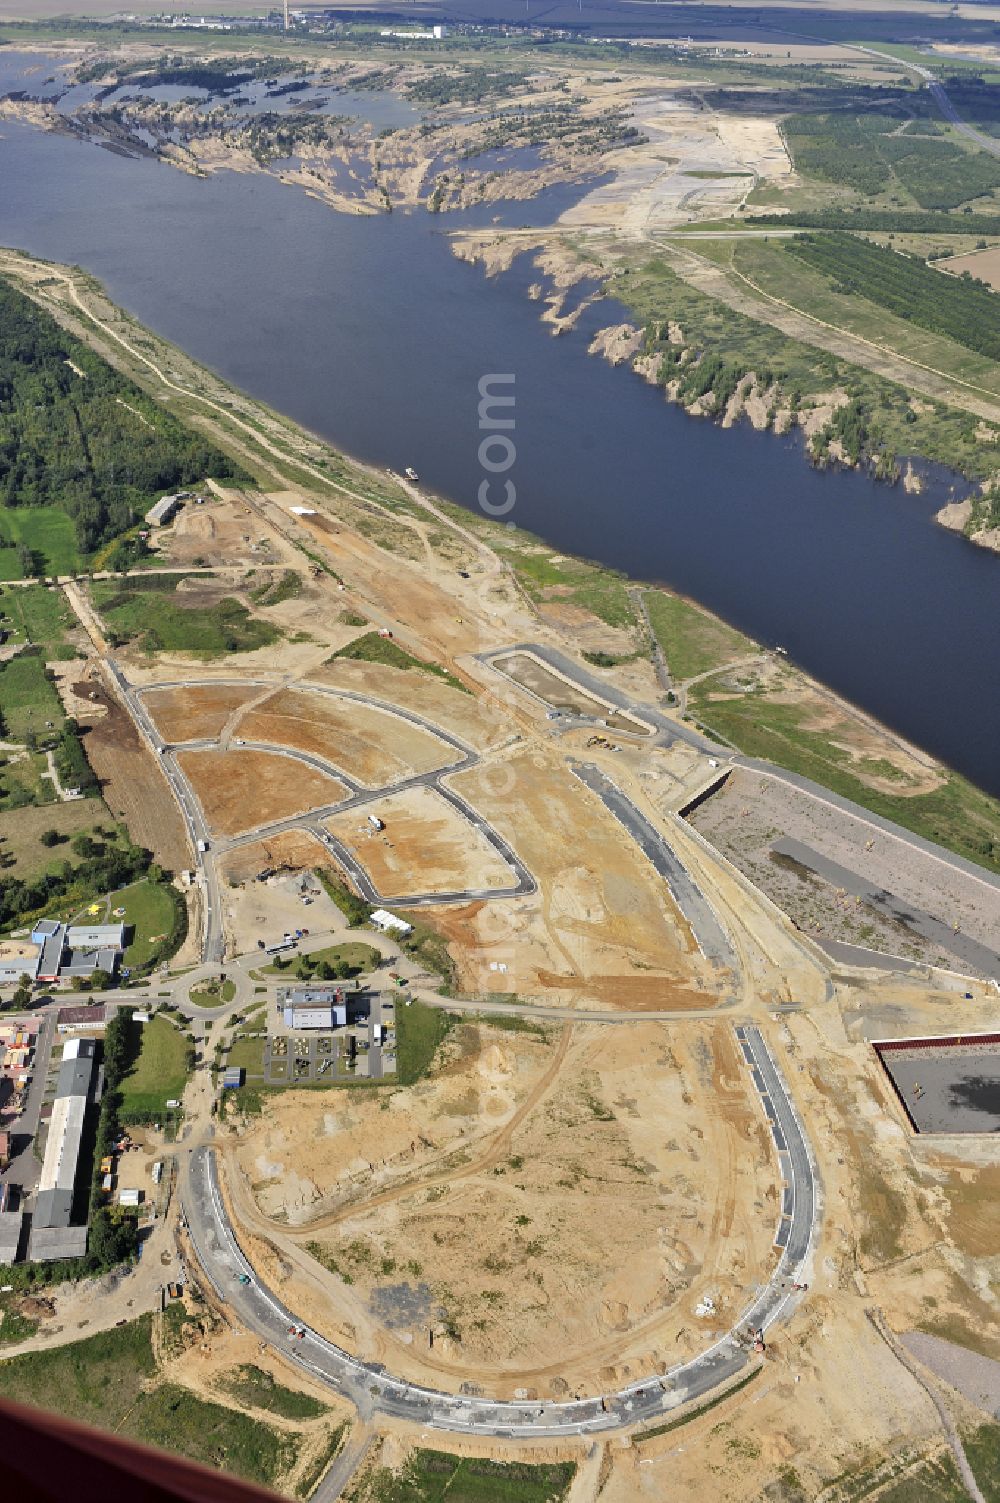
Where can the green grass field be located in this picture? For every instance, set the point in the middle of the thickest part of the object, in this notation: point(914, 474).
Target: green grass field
point(149, 912)
point(100, 1381)
point(419, 1031)
point(693, 641)
point(174, 1419)
point(160, 1073)
point(160, 623)
point(94, 1381)
point(546, 574)
point(23, 828)
point(27, 699)
point(48, 532)
point(38, 614)
point(982, 1447)
point(434, 1476)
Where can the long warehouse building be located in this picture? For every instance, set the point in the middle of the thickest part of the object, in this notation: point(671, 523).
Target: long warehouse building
point(52, 1233)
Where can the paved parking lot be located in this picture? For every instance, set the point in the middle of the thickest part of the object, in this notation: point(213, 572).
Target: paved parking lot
point(952, 1089)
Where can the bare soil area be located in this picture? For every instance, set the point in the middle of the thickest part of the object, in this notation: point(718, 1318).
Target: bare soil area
point(984, 264)
point(241, 789)
point(426, 846)
point(561, 694)
point(370, 745)
point(551, 1209)
point(603, 927)
point(470, 718)
point(132, 784)
point(190, 712)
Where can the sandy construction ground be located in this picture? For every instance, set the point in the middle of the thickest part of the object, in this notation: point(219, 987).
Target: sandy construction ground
point(464, 715)
point(426, 846)
point(697, 164)
point(241, 789)
point(603, 928)
point(559, 1206)
point(373, 746)
point(190, 712)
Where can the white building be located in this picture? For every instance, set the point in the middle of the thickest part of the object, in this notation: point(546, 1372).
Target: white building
point(388, 922)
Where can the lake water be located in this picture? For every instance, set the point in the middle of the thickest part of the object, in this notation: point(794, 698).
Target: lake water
point(369, 332)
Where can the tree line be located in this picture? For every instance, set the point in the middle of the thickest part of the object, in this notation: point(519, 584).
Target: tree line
point(76, 435)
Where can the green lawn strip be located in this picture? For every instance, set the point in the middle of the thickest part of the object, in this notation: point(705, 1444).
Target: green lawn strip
point(692, 641)
point(27, 698)
point(371, 648)
point(356, 956)
point(259, 1390)
point(161, 623)
point(38, 614)
point(433, 1476)
point(160, 1071)
point(150, 911)
point(419, 1031)
point(46, 532)
point(957, 815)
point(94, 1380)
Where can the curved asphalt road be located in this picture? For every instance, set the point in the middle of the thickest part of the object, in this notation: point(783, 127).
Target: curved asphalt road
point(371, 1388)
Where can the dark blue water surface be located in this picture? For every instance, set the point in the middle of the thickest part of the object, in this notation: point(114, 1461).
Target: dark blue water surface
point(371, 333)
